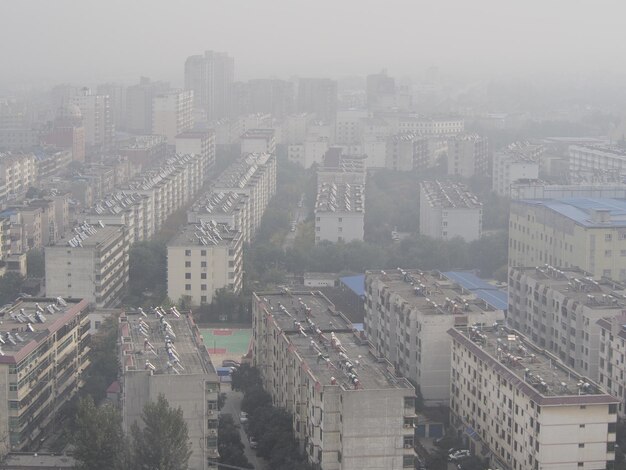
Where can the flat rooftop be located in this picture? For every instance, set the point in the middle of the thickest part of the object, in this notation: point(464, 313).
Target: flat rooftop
point(537, 372)
point(449, 195)
point(87, 235)
point(164, 341)
point(342, 197)
point(326, 340)
point(142, 142)
point(496, 296)
point(578, 285)
point(219, 202)
point(206, 234)
point(239, 173)
point(433, 293)
point(28, 321)
point(612, 150)
point(258, 134)
point(583, 210)
point(115, 203)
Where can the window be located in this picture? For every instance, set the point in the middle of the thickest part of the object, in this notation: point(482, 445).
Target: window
point(202, 275)
point(608, 237)
point(188, 264)
point(408, 461)
point(187, 252)
point(203, 253)
point(581, 446)
point(608, 252)
point(606, 273)
point(203, 287)
point(340, 219)
point(203, 264)
point(203, 299)
point(340, 229)
point(187, 286)
point(612, 409)
point(187, 275)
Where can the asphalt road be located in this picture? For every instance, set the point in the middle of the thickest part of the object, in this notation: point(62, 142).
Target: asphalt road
point(299, 216)
point(233, 407)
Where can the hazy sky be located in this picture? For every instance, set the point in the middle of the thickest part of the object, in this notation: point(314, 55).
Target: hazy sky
point(47, 41)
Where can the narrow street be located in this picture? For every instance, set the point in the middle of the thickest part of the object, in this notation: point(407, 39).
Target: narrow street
point(233, 407)
point(299, 216)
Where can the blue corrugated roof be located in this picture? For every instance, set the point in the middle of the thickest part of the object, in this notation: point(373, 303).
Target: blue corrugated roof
point(491, 294)
point(580, 210)
point(355, 283)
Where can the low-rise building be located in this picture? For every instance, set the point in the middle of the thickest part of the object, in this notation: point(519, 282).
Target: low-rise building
point(406, 152)
point(538, 189)
point(145, 150)
point(202, 259)
point(520, 407)
point(45, 345)
point(224, 207)
point(162, 353)
point(468, 155)
point(198, 142)
point(449, 210)
point(121, 208)
point(91, 263)
point(407, 314)
point(595, 162)
point(258, 141)
point(519, 161)
point(18, 171)
point(611, 373)
point(350, 409)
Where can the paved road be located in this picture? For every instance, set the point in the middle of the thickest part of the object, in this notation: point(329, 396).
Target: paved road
point(299, 216)
point(233, 407)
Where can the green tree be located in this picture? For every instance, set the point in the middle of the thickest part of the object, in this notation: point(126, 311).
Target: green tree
point(104, 361)
point(99, 440)
point(163, 442)
point(229, 444)
point(147, 273)
point(10, 287)
point(35, 263)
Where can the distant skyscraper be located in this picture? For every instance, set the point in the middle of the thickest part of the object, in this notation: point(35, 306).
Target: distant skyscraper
point(319, 96)
point(172, 114)
point(210, 77)
point(117, 97)
point(139, 104)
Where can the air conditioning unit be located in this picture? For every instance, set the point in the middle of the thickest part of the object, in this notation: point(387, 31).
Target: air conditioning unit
point(408, 446)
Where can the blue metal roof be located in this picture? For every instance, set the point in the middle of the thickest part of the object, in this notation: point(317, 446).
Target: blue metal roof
point(355, 283)
point(491, 294)
point(580, 210)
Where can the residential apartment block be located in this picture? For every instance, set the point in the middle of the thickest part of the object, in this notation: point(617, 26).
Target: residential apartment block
point(520, 407)
point(518, 162)
point(91, 263)
point(611, 373)
point(210, 77)
point(449, 210)
point(121, 208)
point(224, 207)
point(44, 351)
point(339, 212)
point(587, 162)
point(407, 152)
point(407, 314)
point(202, 259)
point(163, 353)
point(96, 116)
point(350, 410)
point(198, 142)
point(468, 155)
point(172, 114)
point(589, 233)
point(258, 141)
point(18, 172)
point(558, 310)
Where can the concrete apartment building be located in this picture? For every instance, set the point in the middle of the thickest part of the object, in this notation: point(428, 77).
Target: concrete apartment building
point(584, 232)
point(172, 114)
point(468, 155)
point(163, 353)
point(145, 151)
point(18, 172)
point(407, 314)
point(339, 212)
point(258, 141)
point(139, 101)
point(518, 162)
point(96, 117)
point(121, 209)
point(198, 142)
point(449, 210)
point(558, 310)
point(210, 77)
point(308, 152)
point(407, 152)
point(538, 189)
point(202, 259)
point(588, 162)
point(350, 410)
point(612, 349)
point(224, 207)
point(45, 345)
point(401, 122)
point(520, 407)
point(90, 263)
point(253, 175)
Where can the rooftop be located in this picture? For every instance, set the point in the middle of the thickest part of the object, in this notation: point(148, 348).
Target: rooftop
point(449, 195)
point(600, 148)
point(205, 234)
point(494, 295)
point(535, 371)
point(586, 211)
point(522, 152)
point(434, 293)
point(239, 173)
point(29, 321)
point(333, 197)
point(87, 235)
point(219, 202)
point(153, 177)
point(141, 142)
point(163, 341)
point(327, 342)
point(258, 134)
point(115, 203)
point(577, 285)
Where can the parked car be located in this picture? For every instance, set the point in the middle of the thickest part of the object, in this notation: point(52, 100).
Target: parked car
point(459, 455)
point(230, 363)
point(253, 442)
point(243, 417)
